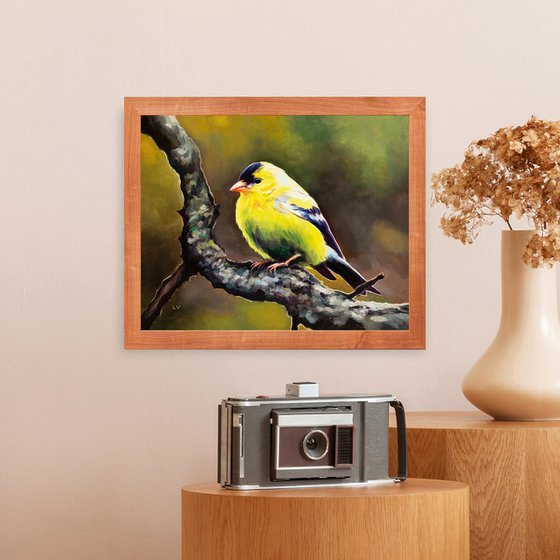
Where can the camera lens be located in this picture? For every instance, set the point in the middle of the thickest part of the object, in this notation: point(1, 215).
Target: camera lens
point(315, 445)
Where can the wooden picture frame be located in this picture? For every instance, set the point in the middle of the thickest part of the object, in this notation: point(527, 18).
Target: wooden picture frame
point(154, 109)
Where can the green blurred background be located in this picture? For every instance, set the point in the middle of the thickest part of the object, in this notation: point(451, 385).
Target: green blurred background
point(356, 168)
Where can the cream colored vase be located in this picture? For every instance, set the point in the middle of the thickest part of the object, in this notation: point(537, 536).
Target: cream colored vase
point(518, 377)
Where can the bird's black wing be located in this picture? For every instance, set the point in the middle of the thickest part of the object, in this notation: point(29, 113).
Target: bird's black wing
point(335, 261)
point(314, 216)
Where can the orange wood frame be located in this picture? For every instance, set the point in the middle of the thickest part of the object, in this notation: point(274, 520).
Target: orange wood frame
point(413, 107)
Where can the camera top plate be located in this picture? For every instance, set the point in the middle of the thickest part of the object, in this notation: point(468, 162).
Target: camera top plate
point(323, 399)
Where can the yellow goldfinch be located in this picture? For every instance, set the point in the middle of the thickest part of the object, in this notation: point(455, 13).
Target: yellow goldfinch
point(283, 224)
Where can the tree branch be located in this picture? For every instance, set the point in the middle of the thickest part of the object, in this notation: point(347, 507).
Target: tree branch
point(306, 300)
point(163, 294)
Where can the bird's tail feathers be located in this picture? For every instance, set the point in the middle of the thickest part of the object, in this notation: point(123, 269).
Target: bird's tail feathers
point(323, 269)
point(341, 267)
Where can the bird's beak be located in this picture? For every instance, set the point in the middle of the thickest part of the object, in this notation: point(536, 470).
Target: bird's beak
point(240, 186)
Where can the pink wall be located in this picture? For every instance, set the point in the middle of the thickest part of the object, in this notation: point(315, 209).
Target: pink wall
point(96, 441)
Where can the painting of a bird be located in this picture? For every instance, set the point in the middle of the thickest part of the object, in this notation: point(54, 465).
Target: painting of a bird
point(284, 225)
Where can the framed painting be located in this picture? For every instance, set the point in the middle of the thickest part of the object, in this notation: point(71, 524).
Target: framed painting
point(280, 222)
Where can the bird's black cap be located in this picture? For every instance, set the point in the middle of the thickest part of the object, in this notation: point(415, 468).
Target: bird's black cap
point(248, 174)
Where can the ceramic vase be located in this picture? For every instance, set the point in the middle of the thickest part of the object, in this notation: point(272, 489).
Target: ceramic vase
point(518, 377)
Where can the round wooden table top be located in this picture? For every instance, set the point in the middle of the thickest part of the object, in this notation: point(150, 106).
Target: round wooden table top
point(411, 486)
point(469, 420)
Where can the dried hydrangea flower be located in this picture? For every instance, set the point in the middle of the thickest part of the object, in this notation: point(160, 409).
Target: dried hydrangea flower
point(516, 171)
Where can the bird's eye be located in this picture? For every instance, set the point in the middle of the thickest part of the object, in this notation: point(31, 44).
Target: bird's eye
point(257, 181)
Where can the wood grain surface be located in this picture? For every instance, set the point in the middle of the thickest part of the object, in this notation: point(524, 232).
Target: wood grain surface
point(417, 519)
point(414, 107)
point(512, 469)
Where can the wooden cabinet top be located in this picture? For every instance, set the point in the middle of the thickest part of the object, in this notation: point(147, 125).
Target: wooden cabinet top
point(468, 420)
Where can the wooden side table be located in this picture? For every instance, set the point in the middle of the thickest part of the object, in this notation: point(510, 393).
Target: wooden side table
point(417, 519)
point(512, 468)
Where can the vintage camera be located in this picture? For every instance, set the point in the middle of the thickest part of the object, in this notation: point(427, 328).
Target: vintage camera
point(303, 439)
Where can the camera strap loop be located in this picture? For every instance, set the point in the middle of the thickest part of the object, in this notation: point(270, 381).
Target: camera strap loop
point(401, 440)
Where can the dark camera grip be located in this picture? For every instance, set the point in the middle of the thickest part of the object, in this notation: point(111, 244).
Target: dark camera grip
point(401, 439)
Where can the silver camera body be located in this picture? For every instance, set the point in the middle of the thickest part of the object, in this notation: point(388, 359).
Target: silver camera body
point(308, 440)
